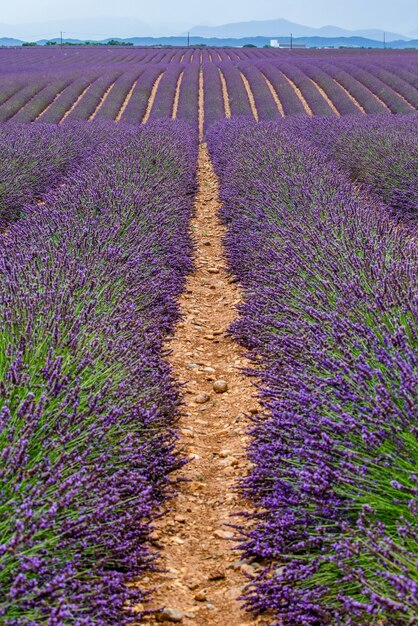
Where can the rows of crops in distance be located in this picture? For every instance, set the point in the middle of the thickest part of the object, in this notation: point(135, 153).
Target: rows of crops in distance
point(331, 321)
point(264, 84)
point(89, 290)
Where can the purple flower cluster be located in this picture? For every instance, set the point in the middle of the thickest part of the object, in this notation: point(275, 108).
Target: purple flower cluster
point(381, 153)
point(330, 320)
point(87, 403)
point(34, 158)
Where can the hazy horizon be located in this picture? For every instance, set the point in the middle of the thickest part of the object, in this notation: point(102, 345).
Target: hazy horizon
point(164, 17)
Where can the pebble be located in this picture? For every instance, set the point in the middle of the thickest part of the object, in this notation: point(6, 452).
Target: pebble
point(224, 534)
point(220, 386)
point(216, 574)
point(213, 270)
point(192, 585)
point(170, 615)
point(248, 569)
point(208, 337)
point(200, 596)
point(210, 370)
point(253, 410)
point(234, 593)
point(202, 398)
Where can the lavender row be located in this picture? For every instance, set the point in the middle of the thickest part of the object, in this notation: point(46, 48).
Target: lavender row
point(66, 100)
point(238, 98)
point(40, 102)
point(330, 319)
point(290, 102)
point(316, 102)
point(13, 104)
point(33, 159)
point(88, 104)
point(164, 99)
point(113, 104)
point(87, 404)
point(188, 109)
point(214, 108)
point(380, 153)
point(137, 105)
point(264, 102)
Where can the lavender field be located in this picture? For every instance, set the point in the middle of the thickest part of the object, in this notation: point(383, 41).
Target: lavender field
point(309, 163)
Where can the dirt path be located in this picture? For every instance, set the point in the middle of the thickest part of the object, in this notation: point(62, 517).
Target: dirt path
point(250, 96)
point(152, 98)
point(204, 575)
point(177, 96)
point(300, 95)
point(49, 105)
point(274, 95)
point(325, 97)
point(126, 101)
point(102, 101)
point(352, 98)
point(225, 95)
point(73, 106)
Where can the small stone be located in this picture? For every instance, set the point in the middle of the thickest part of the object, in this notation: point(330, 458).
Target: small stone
point(213, 270)
point(208, 337)
point(180, 519)
point(210, 370)
point(220, 386)
point(234, 593)
point(253, 410)
point(192, 585)
point(216, 574)
point(224, 534)
point(202, 398)
point(200, 596)
point(178, 540)
point(248, 569)
point(210, 607)
point(170, 615)
point(218, 332)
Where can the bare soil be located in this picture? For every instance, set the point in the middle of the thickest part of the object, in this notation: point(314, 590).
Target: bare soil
point(275, 96)
point(300, 95)
point(126, 102)
point(152, 98)
point(204, 576)
point(250, 96)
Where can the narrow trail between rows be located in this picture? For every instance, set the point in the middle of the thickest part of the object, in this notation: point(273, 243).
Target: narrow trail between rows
point(204, 575)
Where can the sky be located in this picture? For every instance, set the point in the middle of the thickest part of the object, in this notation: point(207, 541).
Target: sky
point(164, 15)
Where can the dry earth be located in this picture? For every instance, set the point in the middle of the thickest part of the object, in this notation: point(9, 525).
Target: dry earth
point(204, 576)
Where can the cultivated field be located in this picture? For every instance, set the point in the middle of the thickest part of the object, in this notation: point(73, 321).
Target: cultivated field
point(208, 357)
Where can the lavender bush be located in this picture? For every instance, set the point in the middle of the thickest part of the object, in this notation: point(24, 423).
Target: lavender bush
point(330, 319)
point(34, 158)
point(87, 405)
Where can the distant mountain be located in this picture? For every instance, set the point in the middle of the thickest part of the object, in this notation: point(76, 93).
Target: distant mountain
point(9, 41)
point(282, 27)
